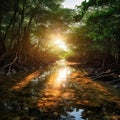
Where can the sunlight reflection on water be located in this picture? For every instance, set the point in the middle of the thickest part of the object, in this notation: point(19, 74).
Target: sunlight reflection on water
point(55, 92)
point(55, 84)
point(60, 92)
point(60, 76)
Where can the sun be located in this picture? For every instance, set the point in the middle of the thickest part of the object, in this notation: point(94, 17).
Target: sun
point(61, 44)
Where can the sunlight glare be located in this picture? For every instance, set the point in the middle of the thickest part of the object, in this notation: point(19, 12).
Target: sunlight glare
point(61, 62)
point(61, 44)
point(62, 75)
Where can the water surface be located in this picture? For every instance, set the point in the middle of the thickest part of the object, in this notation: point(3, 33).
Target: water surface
point(60, 92)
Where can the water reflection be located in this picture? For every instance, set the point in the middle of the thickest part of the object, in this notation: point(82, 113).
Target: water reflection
point(66, 89)
point(55, 85)
point(25, 81)
point(59, 78)
point(75, 114)
point(61, 92)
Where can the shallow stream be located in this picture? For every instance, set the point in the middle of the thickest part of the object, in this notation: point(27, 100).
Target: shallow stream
point(60, 92)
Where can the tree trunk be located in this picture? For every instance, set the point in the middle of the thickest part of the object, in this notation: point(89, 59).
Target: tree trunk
point(12, 19)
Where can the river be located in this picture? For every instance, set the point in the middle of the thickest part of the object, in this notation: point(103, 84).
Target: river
point(59, 92)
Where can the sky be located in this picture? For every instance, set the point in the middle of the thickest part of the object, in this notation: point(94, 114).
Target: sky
point(71, 3)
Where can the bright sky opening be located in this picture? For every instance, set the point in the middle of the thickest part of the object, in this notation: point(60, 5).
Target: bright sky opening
point(71, 3)
point(61, 44)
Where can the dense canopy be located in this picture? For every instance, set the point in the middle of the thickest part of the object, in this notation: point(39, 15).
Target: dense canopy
point(29, 29)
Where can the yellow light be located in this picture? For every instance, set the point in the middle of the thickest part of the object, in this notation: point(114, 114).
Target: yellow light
point(61, 44)
point(62, 76)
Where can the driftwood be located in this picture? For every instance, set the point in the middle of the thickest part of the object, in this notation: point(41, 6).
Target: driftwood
point(101, 76)
point(114, 81)
point(110, 74)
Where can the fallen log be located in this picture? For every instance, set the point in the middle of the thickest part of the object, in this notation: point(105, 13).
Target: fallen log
point(114, 81)
point(104, 76)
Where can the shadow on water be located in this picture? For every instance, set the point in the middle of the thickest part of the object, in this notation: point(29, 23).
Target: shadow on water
point(61, 92)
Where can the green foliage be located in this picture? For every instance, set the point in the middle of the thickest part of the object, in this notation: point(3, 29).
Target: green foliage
point(25, 24)
point(20, 18)
point(102, 22)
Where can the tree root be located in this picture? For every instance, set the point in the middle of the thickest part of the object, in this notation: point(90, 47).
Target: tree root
point(11, 63)
point(110, 75)
point(10, 66)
